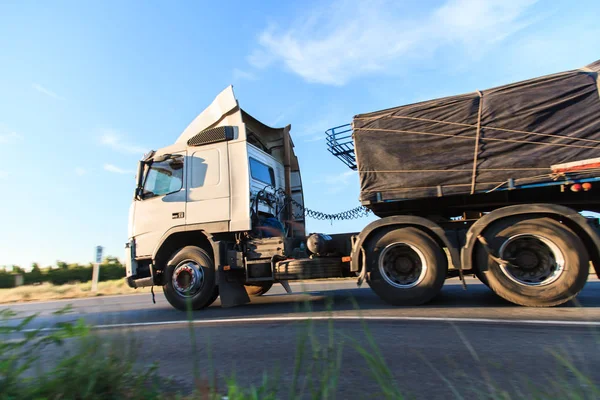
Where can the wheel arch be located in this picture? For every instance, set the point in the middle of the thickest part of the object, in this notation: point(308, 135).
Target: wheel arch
point(444, 238)
point(177, 238)
point(571, 218)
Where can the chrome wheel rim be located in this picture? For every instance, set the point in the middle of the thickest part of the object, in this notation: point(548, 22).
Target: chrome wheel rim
point(534, 260)
point(188, 278)
point(402, 265)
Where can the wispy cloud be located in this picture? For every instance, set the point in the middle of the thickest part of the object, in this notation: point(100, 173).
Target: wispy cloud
point(241, 75)
point(79, 171)
point(115, 141)
point(335, 43)
point(314, 129)
point(314, 139)
point(335, 183)
point(46, 91)
point(117, 170)
point(10, 137)
point(277, 120)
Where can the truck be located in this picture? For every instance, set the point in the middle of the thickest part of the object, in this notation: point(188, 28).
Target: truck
point(491, 184)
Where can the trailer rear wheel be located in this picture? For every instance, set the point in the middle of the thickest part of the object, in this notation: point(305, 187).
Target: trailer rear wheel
point(258, 289)
point(547, 261)
point(407, 267)
point(190, 279)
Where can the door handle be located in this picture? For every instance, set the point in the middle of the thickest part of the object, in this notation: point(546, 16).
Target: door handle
point(178, 215)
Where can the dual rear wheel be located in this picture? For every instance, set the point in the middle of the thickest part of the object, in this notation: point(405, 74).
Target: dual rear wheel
point(539, 262)
point(543, 262)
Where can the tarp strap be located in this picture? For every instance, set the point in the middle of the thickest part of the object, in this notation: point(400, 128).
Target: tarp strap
point(474, 177)
point(490, 139)
point(488, 128)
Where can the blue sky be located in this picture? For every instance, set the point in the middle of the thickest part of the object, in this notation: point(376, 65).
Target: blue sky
point(87, 87)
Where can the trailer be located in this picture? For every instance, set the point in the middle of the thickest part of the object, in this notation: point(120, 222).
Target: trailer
point(490, 183)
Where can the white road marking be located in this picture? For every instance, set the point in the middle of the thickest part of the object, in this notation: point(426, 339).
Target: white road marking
point(341, 318)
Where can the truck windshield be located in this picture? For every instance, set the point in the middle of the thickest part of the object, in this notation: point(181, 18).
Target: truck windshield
point(163, 177)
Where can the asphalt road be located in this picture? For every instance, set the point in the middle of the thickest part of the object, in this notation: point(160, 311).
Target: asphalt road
point(464, 344)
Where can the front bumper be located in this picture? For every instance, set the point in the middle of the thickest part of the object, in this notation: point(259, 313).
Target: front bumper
point(130, 263)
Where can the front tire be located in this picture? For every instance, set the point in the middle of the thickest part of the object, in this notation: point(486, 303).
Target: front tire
point(548, 262)
point(190, 279)
point(407, 267)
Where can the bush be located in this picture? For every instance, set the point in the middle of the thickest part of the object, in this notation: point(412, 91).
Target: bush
point(7, 280)
point(110, 269)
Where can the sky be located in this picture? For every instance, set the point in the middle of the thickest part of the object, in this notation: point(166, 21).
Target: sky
point(87, 87)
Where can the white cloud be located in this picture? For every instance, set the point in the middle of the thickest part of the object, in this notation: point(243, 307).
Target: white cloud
point(113, 139)
point(349, 38)
point(80, 171)
point(10, 137)
point(117, 170)
point(46, 91)
point(3, 174)
point(239, 75)
point(314, 139)
point(277, 120)
point(313, 129)
point(335, 183)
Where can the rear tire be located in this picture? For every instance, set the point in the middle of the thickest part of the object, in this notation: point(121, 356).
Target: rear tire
point(190, 279)
point(255, 290)
point(407, 267)
point(549, 262)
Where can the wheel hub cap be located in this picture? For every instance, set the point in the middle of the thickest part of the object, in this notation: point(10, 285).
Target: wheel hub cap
point(402, 265)
point(188, 278)
point(534, 260)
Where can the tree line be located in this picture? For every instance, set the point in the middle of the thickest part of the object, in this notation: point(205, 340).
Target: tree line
point(110, 269)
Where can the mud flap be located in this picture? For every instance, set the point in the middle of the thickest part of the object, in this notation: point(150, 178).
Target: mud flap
point(231, 291)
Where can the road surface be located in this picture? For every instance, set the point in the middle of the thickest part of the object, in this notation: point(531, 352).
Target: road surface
point(464, 344)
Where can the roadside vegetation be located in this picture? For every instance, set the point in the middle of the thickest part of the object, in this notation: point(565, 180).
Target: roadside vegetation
point(62, 273)
point(48, 291)
point(73, 361)
point(63, 281)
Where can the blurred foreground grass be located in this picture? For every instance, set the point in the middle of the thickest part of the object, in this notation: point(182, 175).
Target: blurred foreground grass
point(48, 291)
point(89, 364)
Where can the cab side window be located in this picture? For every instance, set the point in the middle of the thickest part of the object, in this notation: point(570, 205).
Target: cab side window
point(262, 172)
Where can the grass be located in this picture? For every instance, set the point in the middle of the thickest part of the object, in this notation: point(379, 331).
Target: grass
point(48, 291)
point(88, 364)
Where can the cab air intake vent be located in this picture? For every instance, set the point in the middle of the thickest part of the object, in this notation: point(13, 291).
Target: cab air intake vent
point(213, 135)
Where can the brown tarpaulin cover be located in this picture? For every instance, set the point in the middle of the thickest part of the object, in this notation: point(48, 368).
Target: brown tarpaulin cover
point(424, 149)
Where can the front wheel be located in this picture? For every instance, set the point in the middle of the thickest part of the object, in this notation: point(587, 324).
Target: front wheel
point(407, 267)
point(190, 279)
point(547, 263)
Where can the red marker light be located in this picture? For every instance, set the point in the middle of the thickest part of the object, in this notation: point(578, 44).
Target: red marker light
point(576, 187)
point(586, 186)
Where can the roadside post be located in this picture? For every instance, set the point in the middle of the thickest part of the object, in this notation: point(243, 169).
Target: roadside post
point(96, 270)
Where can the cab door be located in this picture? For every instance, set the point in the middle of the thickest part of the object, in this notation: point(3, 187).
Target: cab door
point(162, 204)
point(208, 195)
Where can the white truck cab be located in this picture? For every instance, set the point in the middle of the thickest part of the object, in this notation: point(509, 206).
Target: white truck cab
point(225, 177)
